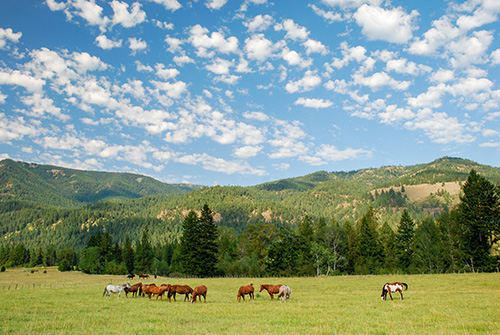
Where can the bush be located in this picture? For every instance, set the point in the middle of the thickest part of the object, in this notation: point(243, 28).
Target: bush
point(64, 266)
point(2, 269)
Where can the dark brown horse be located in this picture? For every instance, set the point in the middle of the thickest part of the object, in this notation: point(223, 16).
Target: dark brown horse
point(181, 289)
point(134, 289)
point(157, 290)
point(271, 289)
point(245, 290)
point(143, 276)
point(199, 291)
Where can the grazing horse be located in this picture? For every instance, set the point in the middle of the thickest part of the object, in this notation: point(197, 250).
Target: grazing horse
point(181, 289)
point(271, 289)
point(145, 289)
point(393, 287)
point(115, 289)
point(143, 276)
point(131, 276)
point(158, 291)
point(284, 293)
point(199, 291)
point(134, 289)
point(245, 290)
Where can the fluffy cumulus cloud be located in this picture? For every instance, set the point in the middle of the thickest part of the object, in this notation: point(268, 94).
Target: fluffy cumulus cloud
point(391, 25)
point(8, 35)
point(313, 103)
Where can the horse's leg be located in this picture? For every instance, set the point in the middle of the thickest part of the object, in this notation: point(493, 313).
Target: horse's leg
point(390, 294)
point(401, 293)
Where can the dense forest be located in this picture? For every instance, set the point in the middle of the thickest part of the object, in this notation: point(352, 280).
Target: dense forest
point(290, 227)
point(366, 221)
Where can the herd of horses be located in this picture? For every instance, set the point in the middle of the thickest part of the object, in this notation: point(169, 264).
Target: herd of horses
point(140, 289)
point(283, 291)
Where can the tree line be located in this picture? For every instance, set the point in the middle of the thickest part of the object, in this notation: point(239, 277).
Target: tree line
point(462, 239)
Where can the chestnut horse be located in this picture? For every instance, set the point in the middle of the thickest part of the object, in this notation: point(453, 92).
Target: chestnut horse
point(245, 290)
point(271, 289)
point(199, 291)
point(181, 289)
point(143, 276)
point(393, 287)
point(157, 290)
point(133, 288)
point(145, 289)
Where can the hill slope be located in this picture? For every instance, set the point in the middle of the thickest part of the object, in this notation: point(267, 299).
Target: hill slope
point(424, 189)
point(57, 186)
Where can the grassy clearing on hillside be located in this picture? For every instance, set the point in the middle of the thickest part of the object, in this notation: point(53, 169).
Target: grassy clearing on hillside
point(72, 302)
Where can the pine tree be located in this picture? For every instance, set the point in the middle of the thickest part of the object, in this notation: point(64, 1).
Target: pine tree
point(187, 255)
point(404, 246)
point(144, 253)
point(368, 247)
point(479, 220)
point(128, 255)
point(207, 243)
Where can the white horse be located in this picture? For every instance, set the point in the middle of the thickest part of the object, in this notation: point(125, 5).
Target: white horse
point(115, 289)
point(284, 293)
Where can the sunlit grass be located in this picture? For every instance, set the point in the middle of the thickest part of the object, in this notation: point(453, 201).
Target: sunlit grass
point(72, 302)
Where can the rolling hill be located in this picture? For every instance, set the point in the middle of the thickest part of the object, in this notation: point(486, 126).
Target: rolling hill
point(77, 206)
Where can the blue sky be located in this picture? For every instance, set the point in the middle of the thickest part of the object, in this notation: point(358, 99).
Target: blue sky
point(243, 92)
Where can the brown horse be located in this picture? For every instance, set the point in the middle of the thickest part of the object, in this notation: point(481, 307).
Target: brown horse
point(199, 291)
point(143, 276)
point(181, 289)
point(158, 291)
point(271, 289)
point(245, 290)
point(145, 289)
point(134, 289)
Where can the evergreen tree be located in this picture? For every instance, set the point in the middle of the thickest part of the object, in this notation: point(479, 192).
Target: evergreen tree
point(186, 257)
point(305, 238)
point(428, 251)
point(404, 246)
point(388, 242)
point(144, 253)
point(479, 220)
point(368, 248)
point(128, 255)
point(282, 255)
point(207, 243)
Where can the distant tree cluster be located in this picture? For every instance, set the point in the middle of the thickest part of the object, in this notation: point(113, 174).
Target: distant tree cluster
point(465, 238)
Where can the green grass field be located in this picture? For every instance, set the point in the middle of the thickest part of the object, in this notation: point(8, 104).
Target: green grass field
point(72, 303)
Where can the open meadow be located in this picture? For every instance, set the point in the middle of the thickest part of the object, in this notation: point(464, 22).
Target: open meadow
point(72, 303)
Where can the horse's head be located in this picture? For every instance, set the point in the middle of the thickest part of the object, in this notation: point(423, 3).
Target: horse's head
point(261, 288)
point(127, 285)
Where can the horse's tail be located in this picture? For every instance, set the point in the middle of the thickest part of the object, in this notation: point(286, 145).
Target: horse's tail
point(103, 293)
point(405, 285)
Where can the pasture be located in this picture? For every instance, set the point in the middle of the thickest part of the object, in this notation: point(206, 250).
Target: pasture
point(72, 302)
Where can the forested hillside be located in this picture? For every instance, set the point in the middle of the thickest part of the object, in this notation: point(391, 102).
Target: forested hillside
point(62, 187)
point(38, 203)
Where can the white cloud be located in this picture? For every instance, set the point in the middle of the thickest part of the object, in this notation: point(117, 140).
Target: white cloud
point(259, 23)
point(329, 16)
point(124, 17)
point(443, 32)
point(443, 76)
point(349, 54)
point(247, 151)
point(259, 116)
point(136, 44)
point(379, 80)
point(164, 73)
point(13, 129)
point(471, 50)
point(15, 77)
point(215, 4)
point(181, 60)
point(439, 127)
point(293, 30)
point(54, 6)
point(307, 83)
point(313, 46)
point(391, 25)
point(211, 163)
point(172, 5)
point(258, 47)
point(430, 99)
point(40, 105)
point(201, 40)
point(351, 3)
point(8, 35)
point(104, 43)
point(404, 66)
point(313, 103)
point(219, 66)
point(393, 114)
point(173, 90)
point(332, 153)
point(294, 58)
